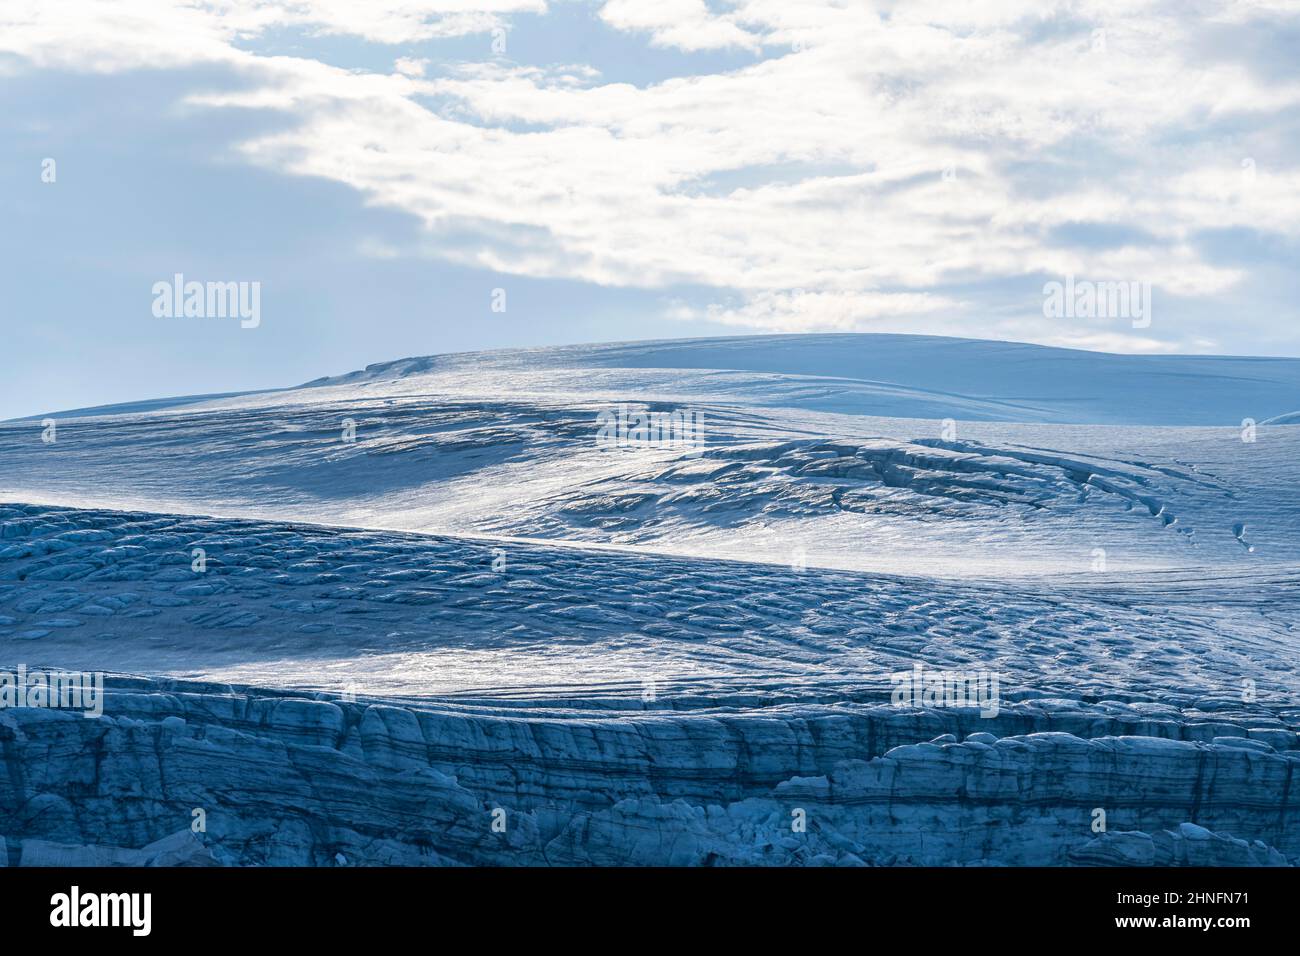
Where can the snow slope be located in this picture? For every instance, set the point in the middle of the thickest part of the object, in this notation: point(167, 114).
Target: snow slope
point(432, 583)
point(904, 376)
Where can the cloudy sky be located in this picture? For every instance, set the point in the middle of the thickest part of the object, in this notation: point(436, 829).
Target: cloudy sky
point(630, 169)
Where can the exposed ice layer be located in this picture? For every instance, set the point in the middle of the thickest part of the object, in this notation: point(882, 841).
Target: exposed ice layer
point(1189, 845)
point(182, 848)
point(291, 781)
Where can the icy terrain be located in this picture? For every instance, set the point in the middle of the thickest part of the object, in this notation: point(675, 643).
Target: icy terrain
point(439, 618)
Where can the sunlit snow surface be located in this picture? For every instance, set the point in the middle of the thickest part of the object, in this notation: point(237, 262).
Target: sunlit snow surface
point(562, 624)
point(505, 444)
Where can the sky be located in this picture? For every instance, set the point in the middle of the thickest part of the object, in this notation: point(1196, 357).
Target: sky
point(407, 177)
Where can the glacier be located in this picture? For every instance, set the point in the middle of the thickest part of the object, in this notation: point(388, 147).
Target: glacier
point(421, 614)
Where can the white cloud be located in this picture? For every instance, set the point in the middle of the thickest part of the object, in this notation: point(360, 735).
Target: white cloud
point(911, 147)
point(801, 311)
point(410, 66)
point(380, 21)
point(685, 24)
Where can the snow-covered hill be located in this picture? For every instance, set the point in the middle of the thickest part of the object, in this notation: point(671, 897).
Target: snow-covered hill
point(896, 376)
point(890, 376)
